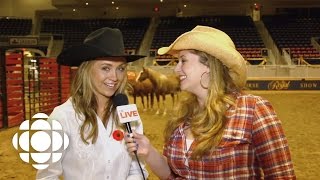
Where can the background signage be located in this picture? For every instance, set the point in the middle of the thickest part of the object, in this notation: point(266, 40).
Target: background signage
point(283, 84)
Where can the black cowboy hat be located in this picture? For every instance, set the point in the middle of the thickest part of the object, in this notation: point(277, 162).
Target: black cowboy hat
point(104, 42)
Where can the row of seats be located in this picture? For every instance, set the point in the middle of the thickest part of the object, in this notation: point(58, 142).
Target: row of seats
point(250, 52)
point(241, 29)
point(287, 33)
point(75, 31)
point(294, 34)
point(15, 26)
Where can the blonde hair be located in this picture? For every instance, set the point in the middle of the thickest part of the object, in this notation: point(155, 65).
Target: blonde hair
point(207, 124)
point(85, 103)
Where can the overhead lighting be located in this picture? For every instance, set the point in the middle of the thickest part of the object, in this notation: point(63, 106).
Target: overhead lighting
point(73, 10)
point(185, 5)
point(112, 2)
point(87, 3)
point(161, 0)
point(117, 8)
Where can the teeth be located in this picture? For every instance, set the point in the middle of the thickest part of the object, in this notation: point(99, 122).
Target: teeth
point(183, 77)
point(110, 85)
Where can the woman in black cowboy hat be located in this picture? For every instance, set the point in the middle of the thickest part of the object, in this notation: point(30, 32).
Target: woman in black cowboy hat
point(97, 149)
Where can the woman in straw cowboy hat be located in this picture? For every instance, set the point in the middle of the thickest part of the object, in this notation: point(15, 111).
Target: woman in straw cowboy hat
point(219, 132)
point(97, 149)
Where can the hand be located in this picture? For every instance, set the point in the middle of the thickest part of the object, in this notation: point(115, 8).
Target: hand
point(137, 142)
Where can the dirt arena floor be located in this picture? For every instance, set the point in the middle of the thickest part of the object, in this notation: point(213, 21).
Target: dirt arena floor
point(298, 111)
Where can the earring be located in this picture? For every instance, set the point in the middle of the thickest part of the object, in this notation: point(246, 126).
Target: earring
point(201, 81)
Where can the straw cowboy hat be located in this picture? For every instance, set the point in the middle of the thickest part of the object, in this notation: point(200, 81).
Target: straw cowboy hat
point(104, 42)
point(215, 43)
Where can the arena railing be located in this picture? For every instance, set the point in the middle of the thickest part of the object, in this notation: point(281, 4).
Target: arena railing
point(264, 71)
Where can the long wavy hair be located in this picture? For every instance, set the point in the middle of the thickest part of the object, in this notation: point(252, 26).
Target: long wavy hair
point(85, 104)
point(207, 124)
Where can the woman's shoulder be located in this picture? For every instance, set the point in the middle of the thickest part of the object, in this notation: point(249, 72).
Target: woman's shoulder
point(63, 110)
point(247, 98)
point(65, 106)
point(245, 95)
point(65, 115)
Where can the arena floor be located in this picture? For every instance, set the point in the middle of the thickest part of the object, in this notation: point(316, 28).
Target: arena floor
point(298, 111)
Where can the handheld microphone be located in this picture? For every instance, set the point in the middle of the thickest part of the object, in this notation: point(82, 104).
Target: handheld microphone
point(126, 112)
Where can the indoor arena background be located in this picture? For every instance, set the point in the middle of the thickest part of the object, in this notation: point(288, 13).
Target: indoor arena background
point(278, 38)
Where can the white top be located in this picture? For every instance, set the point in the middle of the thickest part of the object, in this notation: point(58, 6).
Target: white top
point(106, 159)
point(189, 142)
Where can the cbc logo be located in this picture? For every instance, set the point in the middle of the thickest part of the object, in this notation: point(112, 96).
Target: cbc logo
point(40, 143)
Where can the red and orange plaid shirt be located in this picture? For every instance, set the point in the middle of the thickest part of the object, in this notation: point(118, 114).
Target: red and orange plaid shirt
point(253, 147)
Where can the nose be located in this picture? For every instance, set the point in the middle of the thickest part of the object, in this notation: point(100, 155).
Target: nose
point(113, 75)
point(177, 68)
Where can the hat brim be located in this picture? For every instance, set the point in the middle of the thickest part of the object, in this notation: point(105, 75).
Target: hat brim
point(75, 55)
point(214, 46)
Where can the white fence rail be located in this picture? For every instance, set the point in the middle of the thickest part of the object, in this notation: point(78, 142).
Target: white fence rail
point(286, 71)
point(262, 71)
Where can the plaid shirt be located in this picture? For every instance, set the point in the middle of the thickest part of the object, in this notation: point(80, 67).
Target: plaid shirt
point(253, 147)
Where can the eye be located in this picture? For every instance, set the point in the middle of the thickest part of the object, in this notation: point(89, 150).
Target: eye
point(105, 68)
point(122, 68)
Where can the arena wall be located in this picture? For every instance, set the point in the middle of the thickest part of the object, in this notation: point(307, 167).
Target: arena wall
point(266, 77)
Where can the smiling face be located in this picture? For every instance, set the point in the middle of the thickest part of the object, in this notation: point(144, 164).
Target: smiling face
point(107, 75)
point(190, 70)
